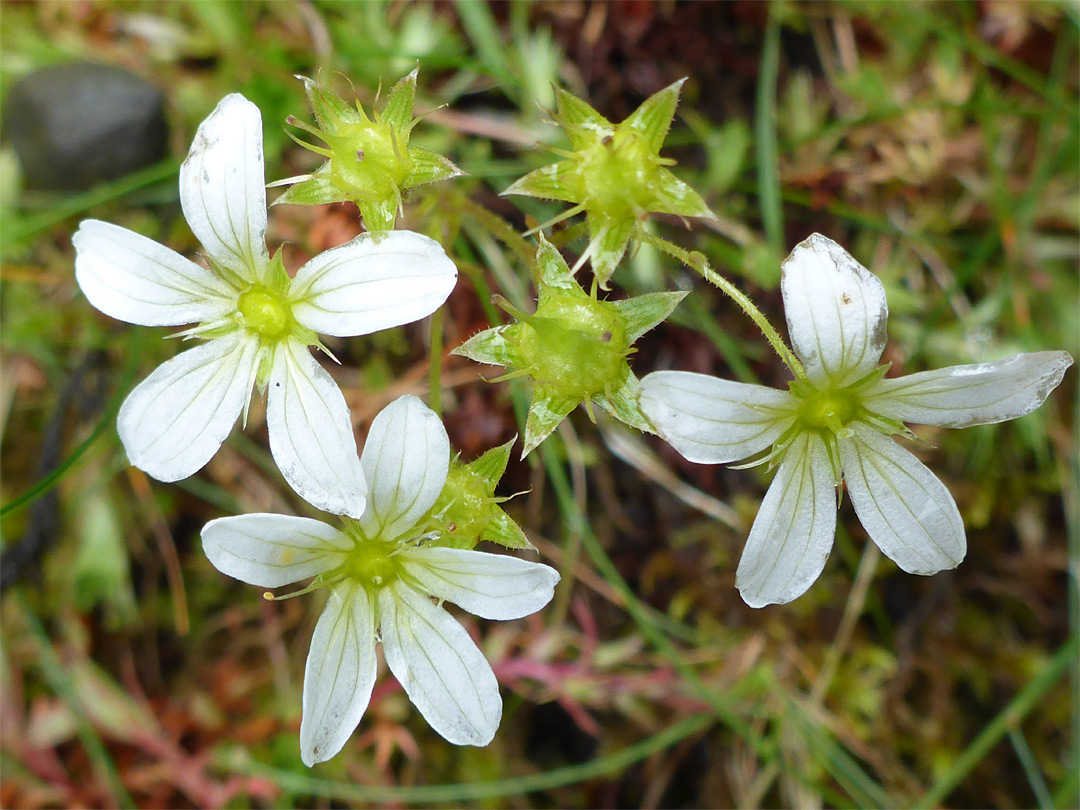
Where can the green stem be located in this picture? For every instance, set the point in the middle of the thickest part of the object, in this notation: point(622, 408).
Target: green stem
point(768, 159)
point(435, 363)
point(1009, 718)
point(60, 682)
point(697, 261)
point(839, 764)
point(471, 792)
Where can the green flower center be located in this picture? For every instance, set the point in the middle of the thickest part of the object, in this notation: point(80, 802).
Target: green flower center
point(576, 347)
point(372, 563)
point(828, 411)
point(370, 159)
point(619, 174)
point(264, 312)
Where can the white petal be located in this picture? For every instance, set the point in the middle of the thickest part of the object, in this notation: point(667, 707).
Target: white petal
point(713, 421)
point(962, 396)
point(311, 434)
point(134, 279)
point(372, 283)
point(836, 311)
point(405, 459)
point(339, 674)
point(903, 506)
point(440, 668)
point(494, 586)
point(273, 550)
point(221, 187)
point(176, 419)
point(793, 533)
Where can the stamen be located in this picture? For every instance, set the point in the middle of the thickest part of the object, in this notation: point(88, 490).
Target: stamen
point(288, 181)
point(293, 121)
point(587, 402)
point(510, 375)
point(314, 586)
point(510, 309)
point(318, 150)
point(555, 220)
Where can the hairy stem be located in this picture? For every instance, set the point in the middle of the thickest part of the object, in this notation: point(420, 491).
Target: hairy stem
point(697, 261)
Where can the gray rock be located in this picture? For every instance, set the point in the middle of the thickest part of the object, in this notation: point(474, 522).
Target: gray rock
point(79, 124)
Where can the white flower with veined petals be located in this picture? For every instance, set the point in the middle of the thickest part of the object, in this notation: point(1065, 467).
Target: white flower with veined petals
point(837, 424)
point(256, 321)
point(382, 578)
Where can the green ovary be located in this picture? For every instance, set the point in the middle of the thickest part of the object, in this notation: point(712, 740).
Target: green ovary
point(828, 411)
point(464, 508)
point(372, 564)
point(577, 348)
point(618, 175)
point(370, 160)
point(264, 313)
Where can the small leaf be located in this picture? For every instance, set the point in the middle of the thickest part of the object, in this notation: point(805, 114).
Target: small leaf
point(315, 191)
point(492, 464)
point(551, 267)
point(644, 312)
point(548, 183)
point(503, 530)
point(429, 167)
point(581, 122)
point(398, 111)
point(673, 196)
point(622, 403)
point(548, 409)
point(330, 109)
point(379, 215)
point(608, 241)
point(493, 346)
point(653, 118)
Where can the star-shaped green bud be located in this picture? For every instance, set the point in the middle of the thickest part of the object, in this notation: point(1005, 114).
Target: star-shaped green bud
point(574, 347)
point(468, 511)
point(369, 161)
point(614, 173)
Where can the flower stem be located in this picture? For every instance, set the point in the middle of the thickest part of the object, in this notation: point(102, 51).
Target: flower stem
point(435, 363)
point(698, 262)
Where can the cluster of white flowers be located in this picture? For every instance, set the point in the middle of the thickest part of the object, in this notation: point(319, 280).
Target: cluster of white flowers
point(384, 564)
point(256, 324)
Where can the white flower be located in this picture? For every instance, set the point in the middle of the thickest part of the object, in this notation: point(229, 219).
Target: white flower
point(381, 578)
point(838, 423)
point(256, 321)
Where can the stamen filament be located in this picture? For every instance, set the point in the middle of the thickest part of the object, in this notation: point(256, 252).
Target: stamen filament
point(555, 220)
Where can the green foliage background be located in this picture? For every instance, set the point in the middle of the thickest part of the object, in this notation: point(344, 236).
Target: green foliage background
point(938, 143)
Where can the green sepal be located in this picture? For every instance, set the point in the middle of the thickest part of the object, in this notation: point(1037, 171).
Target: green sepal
point(379, 215)
point(329, 108)
point(492, 464)
point(551, 267)
point(548, 183)
point(429, 167)
point(318, 190)
point(502, 529)
point(608, 239)
point(398, 111)
point(644, 312)
point(653, 118)
point(622, 403)
point(582, 123)
point(494, 346)
point(673, 196)
point(547, 410)
point(467, 511)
